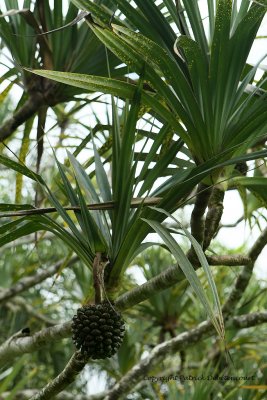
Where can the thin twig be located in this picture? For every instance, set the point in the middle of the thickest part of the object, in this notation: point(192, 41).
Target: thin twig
point(233, 225)
point(109, 205)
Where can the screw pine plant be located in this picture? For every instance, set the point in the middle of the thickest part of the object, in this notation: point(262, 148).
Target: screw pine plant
point(185, 113)
point(212, 105)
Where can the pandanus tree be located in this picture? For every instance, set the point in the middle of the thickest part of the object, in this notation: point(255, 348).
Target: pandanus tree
point(187, 113)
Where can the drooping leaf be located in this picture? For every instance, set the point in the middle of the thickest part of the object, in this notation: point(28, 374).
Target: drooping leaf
point(189, 272)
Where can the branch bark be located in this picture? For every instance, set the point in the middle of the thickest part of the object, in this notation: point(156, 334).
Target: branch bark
point(137, 373)
point(16, 346)
point(171, 276)
point(197, 218)
point(29, 108)
point(19, 344)
point(67, 376)
point(214, 215)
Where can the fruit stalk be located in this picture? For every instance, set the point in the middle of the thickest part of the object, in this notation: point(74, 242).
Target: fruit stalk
point(98, 277)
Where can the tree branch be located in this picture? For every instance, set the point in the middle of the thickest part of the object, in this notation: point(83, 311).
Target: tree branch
point(183, 340)
point(29, 108)
point(16, 346)
point(19, 344)
point(28, 282)
point(29, 393)
point(232, 260)
point(67, 376)
point(214, 215)
point(197, 217)
point(171, 276)
point(174, 275)
point(233, 225)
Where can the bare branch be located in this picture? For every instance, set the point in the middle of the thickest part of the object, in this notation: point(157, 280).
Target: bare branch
point(183, 340)
point(164, 280)
point(138, 372)
point(232, 260)
point(28, 282)
point(15, 347)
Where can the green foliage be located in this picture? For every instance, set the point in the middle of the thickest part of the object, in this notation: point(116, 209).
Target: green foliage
point(183, 107)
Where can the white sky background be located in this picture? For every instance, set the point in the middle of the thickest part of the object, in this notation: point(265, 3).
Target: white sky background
point(231, 238)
